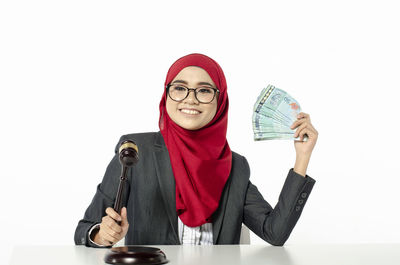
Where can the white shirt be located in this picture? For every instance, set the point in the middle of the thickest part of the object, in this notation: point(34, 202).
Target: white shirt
point(200, 235)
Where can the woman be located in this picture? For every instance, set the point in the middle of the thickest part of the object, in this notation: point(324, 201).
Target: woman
point(188, 187)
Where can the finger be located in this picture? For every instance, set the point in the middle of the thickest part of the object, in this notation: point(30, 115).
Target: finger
point(124, 215)
point(105, 235)
point(300, 128)
point(106, 229)
point(300, 120)
point(113, 234)
point(104, 241)
point(312, 129)
point(111, 223)
point(308, 132)
point(113, 214)
point(297, 123)
point(294, 125)
point(108, 237)
point(303, 115)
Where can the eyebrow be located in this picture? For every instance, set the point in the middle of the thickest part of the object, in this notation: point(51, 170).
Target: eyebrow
point(199, 83)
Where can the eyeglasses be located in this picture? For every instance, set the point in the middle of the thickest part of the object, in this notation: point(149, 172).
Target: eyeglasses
point(204, 94)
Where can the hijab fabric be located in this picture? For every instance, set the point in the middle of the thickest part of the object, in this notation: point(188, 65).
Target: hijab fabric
point(201, 159)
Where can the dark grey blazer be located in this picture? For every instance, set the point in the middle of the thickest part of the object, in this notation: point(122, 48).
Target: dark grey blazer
point(150, 200)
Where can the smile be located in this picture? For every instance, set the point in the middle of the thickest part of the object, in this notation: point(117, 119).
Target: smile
point(190, 111)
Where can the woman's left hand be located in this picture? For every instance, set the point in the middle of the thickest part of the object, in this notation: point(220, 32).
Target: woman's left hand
point(304, 126)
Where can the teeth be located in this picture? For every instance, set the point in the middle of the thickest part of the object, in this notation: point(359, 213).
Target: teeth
point(190, 111)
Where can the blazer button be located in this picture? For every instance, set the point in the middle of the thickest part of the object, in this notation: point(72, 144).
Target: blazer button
point(298, 208)
point(304, 195)
point(83, 240)
point(300, 201)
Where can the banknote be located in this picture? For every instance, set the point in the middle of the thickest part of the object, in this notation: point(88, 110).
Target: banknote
point(273, 114)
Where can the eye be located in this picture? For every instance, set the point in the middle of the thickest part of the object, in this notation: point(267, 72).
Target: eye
point(180, 88)
point(205, 90)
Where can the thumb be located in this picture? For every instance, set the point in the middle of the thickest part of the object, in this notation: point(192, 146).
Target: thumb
point(124, 221)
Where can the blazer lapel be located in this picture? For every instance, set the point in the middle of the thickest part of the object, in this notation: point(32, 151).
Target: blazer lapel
point(218, 215)
point(166, 181)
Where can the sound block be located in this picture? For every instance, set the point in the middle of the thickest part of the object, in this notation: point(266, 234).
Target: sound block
point(135, 255)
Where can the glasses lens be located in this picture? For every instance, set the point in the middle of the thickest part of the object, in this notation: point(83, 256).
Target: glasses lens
point(205, 94)
point(180, 92)
point(177, 92)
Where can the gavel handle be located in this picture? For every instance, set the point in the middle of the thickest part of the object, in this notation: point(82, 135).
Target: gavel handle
point(118, 200)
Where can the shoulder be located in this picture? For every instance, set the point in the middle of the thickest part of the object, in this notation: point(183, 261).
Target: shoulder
point(238, 158)
point(240, 166)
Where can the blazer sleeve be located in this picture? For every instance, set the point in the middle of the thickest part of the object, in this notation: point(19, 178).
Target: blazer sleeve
point(104, 197)
point(274, 225)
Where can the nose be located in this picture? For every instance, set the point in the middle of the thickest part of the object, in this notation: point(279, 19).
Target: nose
point(191, 98)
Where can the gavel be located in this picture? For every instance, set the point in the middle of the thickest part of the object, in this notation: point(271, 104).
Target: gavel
point(128, 156)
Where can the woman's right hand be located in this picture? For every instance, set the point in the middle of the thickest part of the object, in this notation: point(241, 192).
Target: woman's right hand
point(110, 232)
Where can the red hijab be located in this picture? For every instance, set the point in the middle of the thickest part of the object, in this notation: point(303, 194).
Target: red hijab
point(201, 159)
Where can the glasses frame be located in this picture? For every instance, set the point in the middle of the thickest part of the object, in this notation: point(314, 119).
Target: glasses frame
point(216, 90)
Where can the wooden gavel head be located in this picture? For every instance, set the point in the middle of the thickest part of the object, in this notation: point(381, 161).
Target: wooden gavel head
point(128, 156)
point(128, 153)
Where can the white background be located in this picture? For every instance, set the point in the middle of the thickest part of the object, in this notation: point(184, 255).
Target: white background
point(76, 75)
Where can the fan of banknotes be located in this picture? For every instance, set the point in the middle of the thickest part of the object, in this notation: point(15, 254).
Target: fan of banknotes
point(274, 112)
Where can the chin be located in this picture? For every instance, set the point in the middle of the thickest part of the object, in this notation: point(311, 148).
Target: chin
point(190, 127)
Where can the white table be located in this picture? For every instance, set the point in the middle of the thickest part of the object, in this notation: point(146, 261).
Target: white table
point(361, 254)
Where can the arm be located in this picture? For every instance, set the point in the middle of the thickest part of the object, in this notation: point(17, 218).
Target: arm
point(274, 225)
point(301, 164)
point(304, 149)
point(103, 198)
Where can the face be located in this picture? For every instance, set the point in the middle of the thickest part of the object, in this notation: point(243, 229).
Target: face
point(190, 114)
